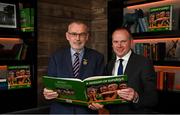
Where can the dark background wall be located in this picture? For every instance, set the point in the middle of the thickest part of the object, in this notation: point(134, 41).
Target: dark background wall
point(53, 18)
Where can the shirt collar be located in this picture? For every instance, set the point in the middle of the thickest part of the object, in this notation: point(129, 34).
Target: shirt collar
point(126, 57)
point(73, 52)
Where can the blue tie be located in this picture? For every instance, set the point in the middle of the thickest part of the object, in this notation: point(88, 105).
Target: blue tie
point(76, 65)
point(120, 68)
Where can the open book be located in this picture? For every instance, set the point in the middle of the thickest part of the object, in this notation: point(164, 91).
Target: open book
point(100, 89)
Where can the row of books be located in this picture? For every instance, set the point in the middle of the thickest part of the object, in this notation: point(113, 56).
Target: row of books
point(15, 77)
point(168, 50)
point(155, 51)
point(157, 19)
point(17, 52)
point(165, 80)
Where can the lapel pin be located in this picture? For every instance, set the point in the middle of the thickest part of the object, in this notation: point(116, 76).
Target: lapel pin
point(85, 61)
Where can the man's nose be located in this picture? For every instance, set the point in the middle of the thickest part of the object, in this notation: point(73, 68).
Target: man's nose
point(78, 37)
point(120, 44)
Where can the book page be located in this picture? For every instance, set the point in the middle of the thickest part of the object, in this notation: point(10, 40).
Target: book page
point(70, 90)
point(99, 77)
point(103, 89)
point(70, 79)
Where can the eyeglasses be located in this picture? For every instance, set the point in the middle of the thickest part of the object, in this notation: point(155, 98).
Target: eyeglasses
point(81, 35)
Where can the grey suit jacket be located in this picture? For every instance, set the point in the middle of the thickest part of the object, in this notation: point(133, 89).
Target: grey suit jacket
point(141, 77)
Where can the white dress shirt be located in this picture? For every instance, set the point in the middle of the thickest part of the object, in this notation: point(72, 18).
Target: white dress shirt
point(125, 61)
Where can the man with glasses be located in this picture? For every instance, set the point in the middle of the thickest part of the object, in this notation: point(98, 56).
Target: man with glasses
point(76, 61)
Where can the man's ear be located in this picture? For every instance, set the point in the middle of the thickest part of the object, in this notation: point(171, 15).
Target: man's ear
point(67, 36)
point(87, 37)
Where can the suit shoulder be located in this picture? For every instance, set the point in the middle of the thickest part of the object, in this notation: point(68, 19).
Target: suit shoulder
point(59, 52)
point(141, 59)
point(94, 52)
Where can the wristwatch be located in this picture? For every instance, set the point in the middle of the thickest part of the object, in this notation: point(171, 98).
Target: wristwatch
point(136, 98)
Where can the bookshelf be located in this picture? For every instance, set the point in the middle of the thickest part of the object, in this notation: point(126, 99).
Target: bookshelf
point(18, 55)
point(163, 46)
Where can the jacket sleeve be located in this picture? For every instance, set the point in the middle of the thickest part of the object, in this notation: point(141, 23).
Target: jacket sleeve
point(52, 71)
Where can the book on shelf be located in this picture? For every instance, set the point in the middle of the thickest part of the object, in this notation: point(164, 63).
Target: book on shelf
point(3, 75)
point(173, 50)
point(160, 18)
point(153, 51)
point(3, 72)
point(170, 77)
point(19, 77)
point(26, 18)
point(165, 80)
point(143, 23)
point(15, 77)
point(13, 52)
point(160, 51)
point(100, 89)
point(23, 53)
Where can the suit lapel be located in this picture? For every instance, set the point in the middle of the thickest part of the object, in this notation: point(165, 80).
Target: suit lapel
point(130, 64)
point(111, 67)
point(84, 64)
point(69, 61)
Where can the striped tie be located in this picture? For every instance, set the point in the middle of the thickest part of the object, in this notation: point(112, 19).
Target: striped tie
point(76, 65)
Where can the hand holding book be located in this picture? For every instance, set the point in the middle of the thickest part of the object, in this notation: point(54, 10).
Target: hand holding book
point(127, 93)
point(49, 94)
point(97, 89)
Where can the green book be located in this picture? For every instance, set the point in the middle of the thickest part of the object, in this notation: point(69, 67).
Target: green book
point(25, 19)
point(160, 18)
point(32, 19)
point(99, 89)
point(19, 77)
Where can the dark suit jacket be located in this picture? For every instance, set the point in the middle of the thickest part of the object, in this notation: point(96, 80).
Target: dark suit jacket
point(60, 65)
point(141, 77)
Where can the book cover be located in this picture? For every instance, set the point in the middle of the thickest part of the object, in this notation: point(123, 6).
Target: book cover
point(19, 77)
point(3, 76)
point(101, 89)
point(27, 19)
point(160, 18)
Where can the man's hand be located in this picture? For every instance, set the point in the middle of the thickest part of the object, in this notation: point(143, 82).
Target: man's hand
point(128, 94)
point(95, 106)
point(49, 94)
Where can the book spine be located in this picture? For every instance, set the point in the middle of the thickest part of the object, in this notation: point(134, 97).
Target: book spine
point(142, 29)
point(145, 23)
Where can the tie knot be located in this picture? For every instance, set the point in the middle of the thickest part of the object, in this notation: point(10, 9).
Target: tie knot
point(121, 60)
point(76, 54)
